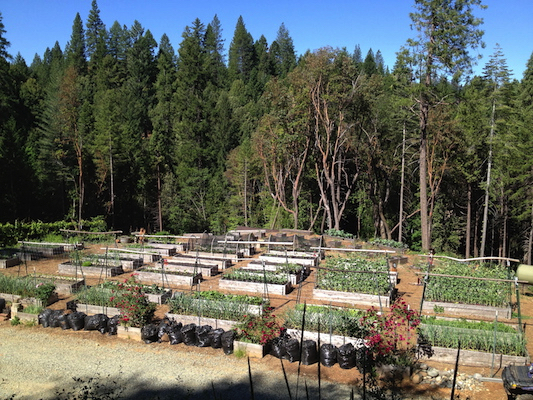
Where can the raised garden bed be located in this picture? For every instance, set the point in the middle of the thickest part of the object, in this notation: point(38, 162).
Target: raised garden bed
point(91, 309)
point(193, 319)
point(351, 297)
point(64, 285)
point(467, 309)
point(128, 264)
point(474, 358)
point(9, 262)
point(159, 298)
point(228, 257)
point(309, 260)
point(166, 277)
point(15, 298)
point(146, 256)
point(325, 337)
point(162, 251)
point(221, 264)
point(68, 268)
point(255, 287)
point(205, 270)
point(294, 278)
point(251, 349)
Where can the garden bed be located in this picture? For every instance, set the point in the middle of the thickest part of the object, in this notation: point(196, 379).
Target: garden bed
point(91, 309)
point(159, 298)
point(221, 264)
point(325, 337)
point(146, 256)
point(294, 278)
point(194, 319)
point(467, 309)
point(166, 277)
point(308, 260)
point(251, 349)
point(255, 287)
point(15, 298)
point(68, 268)
point(127, 264)
point(9, 262)
point(474, 358)
point(228, 257)
point(205, 270)
point(64, 285)
point(351, 297)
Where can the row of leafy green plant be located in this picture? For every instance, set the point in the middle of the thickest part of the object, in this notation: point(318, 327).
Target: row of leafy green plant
point(458, 289)
point(355, 274)
point(338, 233)
point(389, 243)
point(26, 287)
point(258, 277)
point(212, 304)
point(473, 335)
point(334, 320)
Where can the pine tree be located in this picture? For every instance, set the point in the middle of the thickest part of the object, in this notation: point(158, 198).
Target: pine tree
point(242, 58)
point(283, 53)
point(75, 51)
point(95, 34)
point(446, 32)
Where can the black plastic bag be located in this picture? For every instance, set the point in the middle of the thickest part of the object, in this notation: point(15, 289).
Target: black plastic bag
point(96, 322)
point(63, 321)
point(346, 356)
point(189, 334)
point(216, 338)
point(72, 305)
point(149, 333)
point(227, 341)
point(53, 318)
point(277, 347)
point(112, 325)
point(309, 352)
point(328, 355)
point(43, 317)
point(292, 349)
point(174, 335)
point(202, 336)
point(362, 357)
point(163, 328)
point(77, 320)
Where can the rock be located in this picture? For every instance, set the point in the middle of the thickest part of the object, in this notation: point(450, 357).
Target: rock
point(433, 372)
point(477, 377)
point(416, 378)
point(423, 367)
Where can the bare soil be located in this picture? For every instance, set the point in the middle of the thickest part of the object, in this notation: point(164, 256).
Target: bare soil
point(408, 288)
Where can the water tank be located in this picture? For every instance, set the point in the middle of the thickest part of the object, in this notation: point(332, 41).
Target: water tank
point(524, 272)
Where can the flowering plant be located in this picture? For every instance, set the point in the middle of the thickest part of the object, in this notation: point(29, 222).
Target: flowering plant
point(392, 337)
point(129, 298)
point(259, 329)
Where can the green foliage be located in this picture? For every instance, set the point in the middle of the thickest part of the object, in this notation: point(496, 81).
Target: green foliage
point(458, 289)
point(338, 233)
point(26, 287)
point(388, 243)
point(355, 274)
point(259, 329)
point(212, 304)
point(15, 321)
point(258, 277)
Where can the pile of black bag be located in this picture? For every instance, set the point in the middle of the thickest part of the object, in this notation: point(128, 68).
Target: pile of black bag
point(347, 356)
point(190, 335)
point(78, 321)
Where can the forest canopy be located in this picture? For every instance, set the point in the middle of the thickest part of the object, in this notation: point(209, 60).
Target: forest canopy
point(124, 126)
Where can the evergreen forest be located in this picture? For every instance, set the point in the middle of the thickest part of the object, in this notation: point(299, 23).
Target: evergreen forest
point(204, 135)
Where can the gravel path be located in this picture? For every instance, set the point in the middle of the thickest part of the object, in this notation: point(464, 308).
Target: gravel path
point(39, 363)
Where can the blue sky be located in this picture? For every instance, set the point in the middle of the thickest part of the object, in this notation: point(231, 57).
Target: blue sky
point(33, 25)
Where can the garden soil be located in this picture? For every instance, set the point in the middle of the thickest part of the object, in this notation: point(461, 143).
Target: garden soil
point(50, 363)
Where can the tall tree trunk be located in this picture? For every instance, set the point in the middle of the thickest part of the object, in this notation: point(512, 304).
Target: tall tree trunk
point(424, 217)
point(530, 241)
point(402, 184)
point(468, 220)
point(159, 207)
point(487, 188)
